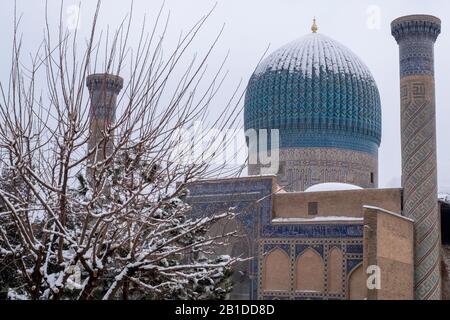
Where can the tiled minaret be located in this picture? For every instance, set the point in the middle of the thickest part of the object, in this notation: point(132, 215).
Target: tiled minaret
point(416, 36)
point(103, 90)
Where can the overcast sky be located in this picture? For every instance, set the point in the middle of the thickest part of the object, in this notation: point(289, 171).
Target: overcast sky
point(252, 25)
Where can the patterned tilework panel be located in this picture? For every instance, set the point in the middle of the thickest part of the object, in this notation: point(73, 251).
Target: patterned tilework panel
point(416, 36)
point(245, 195)
point(304, 167)
point(313, 230)
point(420, 180)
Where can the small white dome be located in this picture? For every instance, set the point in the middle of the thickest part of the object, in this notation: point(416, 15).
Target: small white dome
point(322, 187)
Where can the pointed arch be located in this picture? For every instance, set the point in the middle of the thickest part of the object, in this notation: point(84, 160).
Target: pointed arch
point(310, 272)
point(357, 288)
point(335, 270)
point(276, 272)
point(236, 246)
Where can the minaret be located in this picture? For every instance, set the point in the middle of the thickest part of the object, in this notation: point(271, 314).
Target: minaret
point(416, 35)
point(103, 90)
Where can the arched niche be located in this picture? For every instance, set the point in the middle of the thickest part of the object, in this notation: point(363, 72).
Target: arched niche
point(236, 246)
point(335, 270)
point(276, 271)
point(310, 272)
point(357, 287)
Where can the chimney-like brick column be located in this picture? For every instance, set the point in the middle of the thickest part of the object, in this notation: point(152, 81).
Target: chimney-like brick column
point(416, 36)
point(103, 90)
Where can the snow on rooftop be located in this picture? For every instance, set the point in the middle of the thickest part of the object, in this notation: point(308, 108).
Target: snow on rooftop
point(389, 212)
point(318, 219)
point(322, 187)
point(444, 197)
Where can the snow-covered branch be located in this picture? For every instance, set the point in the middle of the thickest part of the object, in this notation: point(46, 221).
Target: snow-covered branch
point(106, 218)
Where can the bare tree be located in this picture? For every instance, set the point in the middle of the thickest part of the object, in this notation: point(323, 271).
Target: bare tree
point(100, 214)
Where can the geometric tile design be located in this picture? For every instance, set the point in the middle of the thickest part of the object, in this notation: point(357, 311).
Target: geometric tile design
point(301, 168)
point(300, 248)
point(416, 36)
point(353, 258)
point(318, 94)
point(270, 247)
point(352, 264)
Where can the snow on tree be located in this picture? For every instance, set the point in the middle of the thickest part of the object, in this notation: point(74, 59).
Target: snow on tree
point(118, 228)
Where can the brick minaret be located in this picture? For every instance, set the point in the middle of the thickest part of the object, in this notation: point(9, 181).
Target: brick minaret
point(103, 90)
point(416, 36)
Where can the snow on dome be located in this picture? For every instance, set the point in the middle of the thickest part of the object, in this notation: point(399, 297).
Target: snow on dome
point(313, 52)
point(322, 187)
point(318, 93)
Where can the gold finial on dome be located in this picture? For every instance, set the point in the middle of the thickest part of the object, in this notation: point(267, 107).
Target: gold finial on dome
point(314, 27)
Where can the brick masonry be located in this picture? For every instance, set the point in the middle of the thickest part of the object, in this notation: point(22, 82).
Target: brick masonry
point(336, 246)
point(388, 245)
point(103, 91)
point(416, 36)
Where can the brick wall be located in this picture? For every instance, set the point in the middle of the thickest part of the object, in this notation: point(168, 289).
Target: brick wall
point(389, 245)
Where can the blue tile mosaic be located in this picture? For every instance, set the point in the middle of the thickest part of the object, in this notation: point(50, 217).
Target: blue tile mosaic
point(318, 94)
point(352, 264)
point(300, 248)
point(416, 40)
point(269, 247)
point(355, 249)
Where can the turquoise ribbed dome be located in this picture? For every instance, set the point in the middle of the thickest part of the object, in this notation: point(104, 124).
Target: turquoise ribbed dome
point(319, 94)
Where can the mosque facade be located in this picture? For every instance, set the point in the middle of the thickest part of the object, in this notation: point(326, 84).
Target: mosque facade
point(319, 227)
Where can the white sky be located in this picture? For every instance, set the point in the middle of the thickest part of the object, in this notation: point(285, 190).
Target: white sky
point(251, 25)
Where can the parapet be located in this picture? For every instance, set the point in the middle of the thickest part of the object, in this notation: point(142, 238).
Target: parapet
point(416, 25)
point(104, 81)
